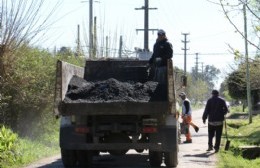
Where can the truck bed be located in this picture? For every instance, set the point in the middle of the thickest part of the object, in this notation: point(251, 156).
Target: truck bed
point(114, 108)
point(101, 70)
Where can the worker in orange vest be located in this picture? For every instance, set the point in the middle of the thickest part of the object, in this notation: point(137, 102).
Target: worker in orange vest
point(186, 117)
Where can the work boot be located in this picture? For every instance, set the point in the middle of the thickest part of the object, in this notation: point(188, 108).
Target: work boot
point(210, 149)
point(216, 149)
point(196, 129)
point(188, 141)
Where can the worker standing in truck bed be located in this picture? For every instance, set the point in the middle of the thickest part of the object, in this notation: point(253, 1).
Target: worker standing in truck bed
point(162, 51)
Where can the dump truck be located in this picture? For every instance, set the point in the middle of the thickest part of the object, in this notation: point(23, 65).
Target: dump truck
point(88, 127)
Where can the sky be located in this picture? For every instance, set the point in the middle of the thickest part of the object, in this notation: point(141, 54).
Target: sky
point(209, 30)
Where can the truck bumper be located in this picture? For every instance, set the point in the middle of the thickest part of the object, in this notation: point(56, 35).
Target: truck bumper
point(165, 140)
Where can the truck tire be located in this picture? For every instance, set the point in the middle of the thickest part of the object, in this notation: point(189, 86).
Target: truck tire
point(155, 158)
point(84, 158)
point(68, 158)
point(171, 159)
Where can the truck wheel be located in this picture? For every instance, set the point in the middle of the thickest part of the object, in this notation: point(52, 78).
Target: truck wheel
point(84, 158)
point(155, 158)
point(171, 159)
point(68, 158)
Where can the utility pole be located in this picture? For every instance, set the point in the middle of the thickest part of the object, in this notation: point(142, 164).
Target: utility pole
point(202, 70)
point(248, 88)
point(146, 24)
point(90, 28)
point(185, 51)
point(95, 38)
point(78, 41)
point(196, 65)
point(106, 46)
point(120, 47)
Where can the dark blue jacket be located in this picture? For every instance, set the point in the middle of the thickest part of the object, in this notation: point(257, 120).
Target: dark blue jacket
point(162, 49)
point(215, 109)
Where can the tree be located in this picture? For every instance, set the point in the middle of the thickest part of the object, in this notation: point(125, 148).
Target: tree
point(223, 90)
point(237, 85)
point(236, 82)
point(198, 90)
point(178, 78)
point(209, 75)
point(29, 88)
point(65, 51)
point(26, 101)
point(230, 9)
point(21, 22)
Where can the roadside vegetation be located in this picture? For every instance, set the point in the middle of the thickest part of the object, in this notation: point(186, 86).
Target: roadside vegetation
point(29, 129)
point(240, 133)
point(17, 152)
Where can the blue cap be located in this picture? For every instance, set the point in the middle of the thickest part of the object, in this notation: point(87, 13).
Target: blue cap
point(161, 32)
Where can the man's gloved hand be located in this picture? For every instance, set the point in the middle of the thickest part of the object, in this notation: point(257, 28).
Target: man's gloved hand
point(204, 121)
point(158, 59)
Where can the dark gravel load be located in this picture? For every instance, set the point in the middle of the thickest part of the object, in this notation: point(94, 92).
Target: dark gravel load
point(111, 90)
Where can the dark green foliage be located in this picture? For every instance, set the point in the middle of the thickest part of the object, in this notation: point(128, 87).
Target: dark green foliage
point(27, 91)
point(30, 86)
point(237, 81)
point(8, 153)
point(65, 52)
point(26, 103)
point(236, 85)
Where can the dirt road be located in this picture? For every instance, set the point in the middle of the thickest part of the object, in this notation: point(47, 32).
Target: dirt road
point(195, 155)
point(190, 155)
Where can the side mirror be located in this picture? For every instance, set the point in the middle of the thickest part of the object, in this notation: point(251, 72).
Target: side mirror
point(184, 81)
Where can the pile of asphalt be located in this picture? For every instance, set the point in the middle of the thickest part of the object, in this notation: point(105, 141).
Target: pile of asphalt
point(110, 90)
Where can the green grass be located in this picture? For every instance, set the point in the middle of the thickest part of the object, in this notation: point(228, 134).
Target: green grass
point(23, 151)
point(227, 159)
point(240, 133)
point(237, 108)
point(34, 150)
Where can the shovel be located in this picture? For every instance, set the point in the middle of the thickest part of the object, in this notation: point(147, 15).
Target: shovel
point(228, 141)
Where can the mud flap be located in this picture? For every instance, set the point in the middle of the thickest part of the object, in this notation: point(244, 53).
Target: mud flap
point(68, 137)
point(169, 139)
